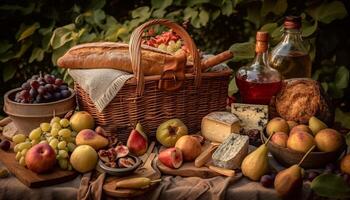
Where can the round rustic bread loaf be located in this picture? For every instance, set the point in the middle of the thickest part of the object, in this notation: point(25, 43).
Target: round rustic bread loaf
point(300, 99)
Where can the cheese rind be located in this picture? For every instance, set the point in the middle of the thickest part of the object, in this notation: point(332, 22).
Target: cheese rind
point(231, 152)
point(251, 116)
point(217, 126)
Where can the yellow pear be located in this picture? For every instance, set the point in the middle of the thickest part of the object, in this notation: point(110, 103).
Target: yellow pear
point(316, 125)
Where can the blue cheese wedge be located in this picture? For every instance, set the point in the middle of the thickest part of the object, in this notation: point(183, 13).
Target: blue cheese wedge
point(231, 152)
point(251, 116)
point(217, 126)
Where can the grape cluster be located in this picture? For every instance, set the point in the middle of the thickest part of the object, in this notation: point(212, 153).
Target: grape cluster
point(42, 89)
point(168, 41)
point(58, 134)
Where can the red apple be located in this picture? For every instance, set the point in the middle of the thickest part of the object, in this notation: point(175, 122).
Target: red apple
point(40, 158)
point(171, 157)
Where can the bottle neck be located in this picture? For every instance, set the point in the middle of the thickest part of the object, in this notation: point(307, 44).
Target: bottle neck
point(292, 36)
point(260, 59)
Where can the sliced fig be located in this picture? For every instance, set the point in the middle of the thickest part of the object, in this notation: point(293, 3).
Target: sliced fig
point(121, 150)
point(126, 162)
point(104, 155)
point(113, 140)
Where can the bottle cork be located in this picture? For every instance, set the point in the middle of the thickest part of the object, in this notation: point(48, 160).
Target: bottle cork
point(262, 39)
point(292, 22)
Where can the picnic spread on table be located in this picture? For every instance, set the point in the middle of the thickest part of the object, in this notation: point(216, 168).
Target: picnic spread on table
point(152, 120)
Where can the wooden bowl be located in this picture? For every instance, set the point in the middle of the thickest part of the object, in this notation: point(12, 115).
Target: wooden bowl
point(27, 116)
point(288, 157)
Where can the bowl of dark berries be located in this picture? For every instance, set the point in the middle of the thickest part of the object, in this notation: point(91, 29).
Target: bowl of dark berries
point(117, 161)
point(37, 100)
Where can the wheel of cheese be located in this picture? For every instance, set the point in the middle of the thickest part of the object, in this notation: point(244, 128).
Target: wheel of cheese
point(300, 99)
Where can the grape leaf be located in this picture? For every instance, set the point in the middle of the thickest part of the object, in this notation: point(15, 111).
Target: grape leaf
point(242, 51)
point(29, 31)
point(331, 186)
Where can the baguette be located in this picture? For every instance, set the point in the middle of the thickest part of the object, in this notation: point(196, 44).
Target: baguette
point(116, 56)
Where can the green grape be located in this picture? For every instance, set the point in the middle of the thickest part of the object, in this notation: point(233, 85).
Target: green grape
point(70, 168)
point(66, 133)
point(35, 134)
point(24, 145)
point(53, 143)
point(24, 151)
point(64, 123)
point(43, 141)
point(71, 139)
point(171, 43)
point(18, 156)
point(62, 145)
point(162, 47)
point(45, 127)
point(34, 142)
point(56, 125)
point(55, 119)
point(22, 161)
point(178, 44)
point(71, 147)
point(171, 49)
point(74, 134)
point(54, 131)
point(63, 163)
point(15, 148)
point(62, 153)
point(18, 138)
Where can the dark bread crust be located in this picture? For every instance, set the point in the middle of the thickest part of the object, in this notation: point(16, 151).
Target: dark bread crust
point(300, 99)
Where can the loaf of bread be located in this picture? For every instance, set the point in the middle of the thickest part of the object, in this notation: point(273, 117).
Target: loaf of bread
point(116, 56)
point(300, 99)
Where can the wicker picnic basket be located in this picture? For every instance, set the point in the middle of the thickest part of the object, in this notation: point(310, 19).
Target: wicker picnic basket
point(141, 100)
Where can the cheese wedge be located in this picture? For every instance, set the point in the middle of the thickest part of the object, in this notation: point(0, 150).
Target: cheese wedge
point(251, 116)
point(217, 126)
point(231, 152)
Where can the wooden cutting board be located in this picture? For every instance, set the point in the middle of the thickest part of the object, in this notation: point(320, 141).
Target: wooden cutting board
point(146, 170)
point(31, 179)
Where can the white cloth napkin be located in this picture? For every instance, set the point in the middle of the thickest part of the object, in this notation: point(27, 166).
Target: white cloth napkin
point(102, 85)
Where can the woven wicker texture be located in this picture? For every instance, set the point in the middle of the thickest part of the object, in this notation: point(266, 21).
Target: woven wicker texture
point(200, 94)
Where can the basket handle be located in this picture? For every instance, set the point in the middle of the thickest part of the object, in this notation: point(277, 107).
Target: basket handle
point(135, 51)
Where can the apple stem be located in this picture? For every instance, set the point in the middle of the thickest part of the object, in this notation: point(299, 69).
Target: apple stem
point(269, 138)
point(156, 180)
point(306, 154)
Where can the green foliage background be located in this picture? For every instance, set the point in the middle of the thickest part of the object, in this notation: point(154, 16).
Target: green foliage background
point(35, 33)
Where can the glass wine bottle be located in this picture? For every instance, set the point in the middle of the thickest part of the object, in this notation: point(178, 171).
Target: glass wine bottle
point(258, 82)
point(290, 56)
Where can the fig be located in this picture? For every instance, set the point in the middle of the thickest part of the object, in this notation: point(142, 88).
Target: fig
point(126, 162)
point(137, 141)
point(121, 150)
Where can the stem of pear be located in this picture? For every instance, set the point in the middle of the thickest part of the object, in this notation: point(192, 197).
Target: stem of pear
point(268, 139)
point(307, 153)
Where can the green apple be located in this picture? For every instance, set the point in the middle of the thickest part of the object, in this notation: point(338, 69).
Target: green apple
point(170, 131)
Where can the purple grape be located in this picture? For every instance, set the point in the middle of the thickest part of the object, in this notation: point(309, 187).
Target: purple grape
point(330, 167)
point(49, 87)
point(24, 94)
point(64, 87)
point(267, 181)
point(49, 79)
point(5, 145)
point(55, 88)
point(33, 92)
point(41, 90)
point(39, 99)
point(58, 82)
point(65, 93)
point(41, 79)
point(312, 175)
point(25, 86)
point(48, 96)
point(57, 95)
point(34, 84)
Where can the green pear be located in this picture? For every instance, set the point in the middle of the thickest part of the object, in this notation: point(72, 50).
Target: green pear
point(316, 125)
point(256, 163)
point(290, 179)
